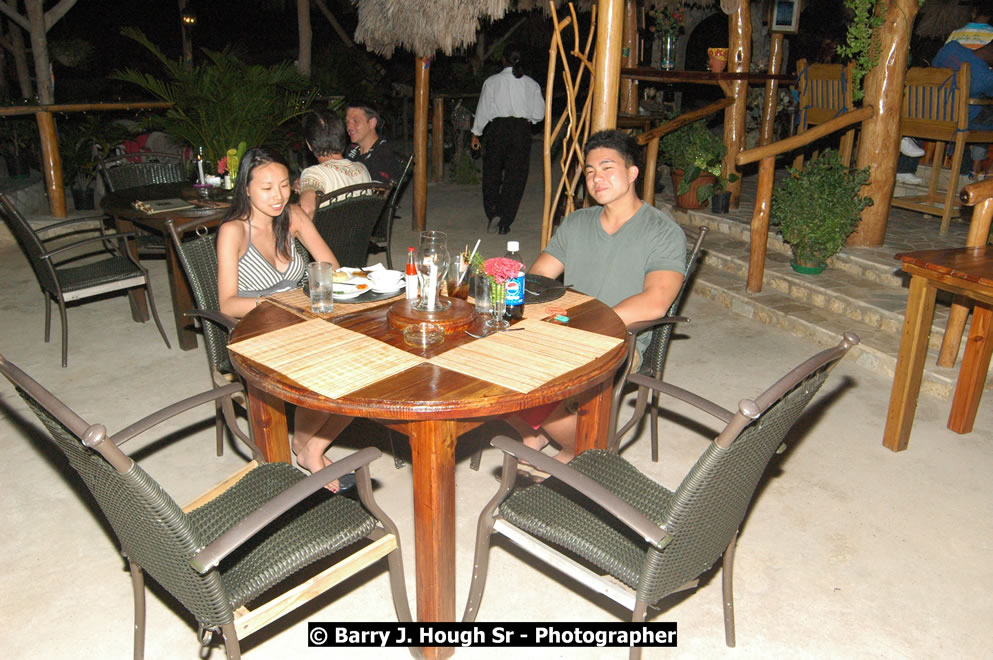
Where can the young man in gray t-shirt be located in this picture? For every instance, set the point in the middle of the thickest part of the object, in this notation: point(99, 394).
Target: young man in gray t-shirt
point(623, 252)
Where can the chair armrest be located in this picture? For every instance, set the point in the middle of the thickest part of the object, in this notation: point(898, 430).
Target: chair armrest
point(231, 540)
point(641, 524)
point(168, 412)
point(217, 317)
point(641, 326)
point(686, 396)
point(71, 221)
point(94, 239)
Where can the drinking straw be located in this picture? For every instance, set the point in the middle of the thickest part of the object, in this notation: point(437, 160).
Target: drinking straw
point(475, 247)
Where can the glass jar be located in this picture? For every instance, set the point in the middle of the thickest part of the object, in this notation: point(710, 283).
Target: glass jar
point(668, 59)
point(432, 261)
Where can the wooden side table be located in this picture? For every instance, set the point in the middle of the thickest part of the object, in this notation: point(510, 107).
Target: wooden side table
point(963, 271)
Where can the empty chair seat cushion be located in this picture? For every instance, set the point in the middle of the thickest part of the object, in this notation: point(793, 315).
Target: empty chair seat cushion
point(115, 269)
point(317, 527)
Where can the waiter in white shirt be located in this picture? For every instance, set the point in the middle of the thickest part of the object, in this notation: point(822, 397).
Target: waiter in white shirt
point(508, 104)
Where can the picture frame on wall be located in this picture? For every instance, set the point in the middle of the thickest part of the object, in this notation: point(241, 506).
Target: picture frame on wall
point(785, 16)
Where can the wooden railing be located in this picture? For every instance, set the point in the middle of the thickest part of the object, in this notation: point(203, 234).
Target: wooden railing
point(766, 157)
point(651, 139)
point(51, 160)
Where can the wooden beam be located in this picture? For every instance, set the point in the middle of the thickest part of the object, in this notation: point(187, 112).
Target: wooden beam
point(739, 59)
point(438, 140)
point(422, 80)
point(629, 57)
point(880, 142)
point(607, 72)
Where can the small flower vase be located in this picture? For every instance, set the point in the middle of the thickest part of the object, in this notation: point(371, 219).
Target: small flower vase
point(668, 59)
point(498, 306)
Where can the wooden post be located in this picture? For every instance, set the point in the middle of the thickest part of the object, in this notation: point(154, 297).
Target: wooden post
point(771, 88)
point(51, 164)
point(422, 78)
point(760, 224)
point(739, 59)
point(607, 72)
point(438, 140)
point(880, 142)
point(629, 57)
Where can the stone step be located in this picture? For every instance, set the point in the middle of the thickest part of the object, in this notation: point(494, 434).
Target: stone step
point(877, 350)
point(855, 293)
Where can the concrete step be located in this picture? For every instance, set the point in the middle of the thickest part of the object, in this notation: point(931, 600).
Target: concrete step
point(856, 293)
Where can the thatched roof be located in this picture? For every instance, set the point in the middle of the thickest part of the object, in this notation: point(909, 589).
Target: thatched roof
point(422, 27)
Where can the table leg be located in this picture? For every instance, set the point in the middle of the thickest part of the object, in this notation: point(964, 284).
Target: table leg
point(136, 295)
point(268, 415)
point(972, 374)
point(909, 364)
point(432, 444)
point(182, 298)
point(593, 424)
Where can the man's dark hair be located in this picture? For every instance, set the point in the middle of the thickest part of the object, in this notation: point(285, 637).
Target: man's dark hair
point(617, 140)
point(325, 133)
point(370, 112)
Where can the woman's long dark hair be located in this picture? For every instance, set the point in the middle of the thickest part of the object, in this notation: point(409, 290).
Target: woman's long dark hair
point(241, 208)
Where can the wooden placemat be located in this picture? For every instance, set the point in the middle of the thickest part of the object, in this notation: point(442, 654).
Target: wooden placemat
point(326, 358)
point(569, 299)
point(524, 361)
point(295, 301)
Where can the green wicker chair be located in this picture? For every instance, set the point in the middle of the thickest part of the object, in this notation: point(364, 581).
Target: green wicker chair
point(654, 360)
point(64, 283)
point(210, 555)
point(347, 220)
point(382, 235)
point(649, 540)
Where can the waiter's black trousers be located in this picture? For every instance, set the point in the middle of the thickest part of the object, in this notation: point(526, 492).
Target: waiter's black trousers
point(505, 167)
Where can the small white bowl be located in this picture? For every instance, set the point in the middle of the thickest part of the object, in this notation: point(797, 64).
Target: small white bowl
point(385, 280)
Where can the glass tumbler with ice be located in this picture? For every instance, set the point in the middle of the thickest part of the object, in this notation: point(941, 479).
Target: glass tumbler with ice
point(320, 277)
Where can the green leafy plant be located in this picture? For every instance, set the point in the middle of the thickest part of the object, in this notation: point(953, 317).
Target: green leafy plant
point(85, 140)
point(862, 42)
point(695, 149)
point(223, 101)
point(818, 207)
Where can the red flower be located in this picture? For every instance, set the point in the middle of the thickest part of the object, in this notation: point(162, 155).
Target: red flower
point(222, 165)
point(502, 269)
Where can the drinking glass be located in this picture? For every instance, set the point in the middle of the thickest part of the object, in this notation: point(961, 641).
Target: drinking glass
point(498, 306)
point(432, 261)
point(456, 288)
point(320, 280)
point(481, 291)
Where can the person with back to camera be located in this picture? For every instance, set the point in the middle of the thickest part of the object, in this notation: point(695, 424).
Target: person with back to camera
point(625, 253)
point(326, 138)
point(508, 104)
point(364, 125)
point(256, 257)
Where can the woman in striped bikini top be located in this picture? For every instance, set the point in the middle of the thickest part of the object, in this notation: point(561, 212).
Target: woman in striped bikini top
point(255, 253)
point(255, 256)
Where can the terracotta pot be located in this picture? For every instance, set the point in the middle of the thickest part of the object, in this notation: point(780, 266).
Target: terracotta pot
point(689, 199)
point(718, 59)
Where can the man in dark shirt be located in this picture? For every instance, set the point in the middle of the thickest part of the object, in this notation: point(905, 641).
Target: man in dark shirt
point(362, 122)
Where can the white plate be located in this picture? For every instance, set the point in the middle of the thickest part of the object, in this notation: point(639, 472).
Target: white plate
point(400, 287)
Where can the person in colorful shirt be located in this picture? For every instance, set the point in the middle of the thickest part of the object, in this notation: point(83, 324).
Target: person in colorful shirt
point(326, 138)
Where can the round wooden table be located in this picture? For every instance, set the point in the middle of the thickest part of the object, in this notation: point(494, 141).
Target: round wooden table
point(433, 406)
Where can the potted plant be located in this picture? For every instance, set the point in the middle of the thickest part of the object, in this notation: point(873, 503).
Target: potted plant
point(19, 142)
point(817, 208)
point(223, 101)
point(694, 154)
point(85, 140)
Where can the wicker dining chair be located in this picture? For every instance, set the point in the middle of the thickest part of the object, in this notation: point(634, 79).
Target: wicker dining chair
point(229, 548)
point(382, 234)
point(653, 362)
point(648, 540)
point(142, 169)
point(345, 219)
point(65, 283)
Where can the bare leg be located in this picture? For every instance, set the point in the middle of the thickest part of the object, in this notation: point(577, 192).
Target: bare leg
point(313, 433)
point(560, 426)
